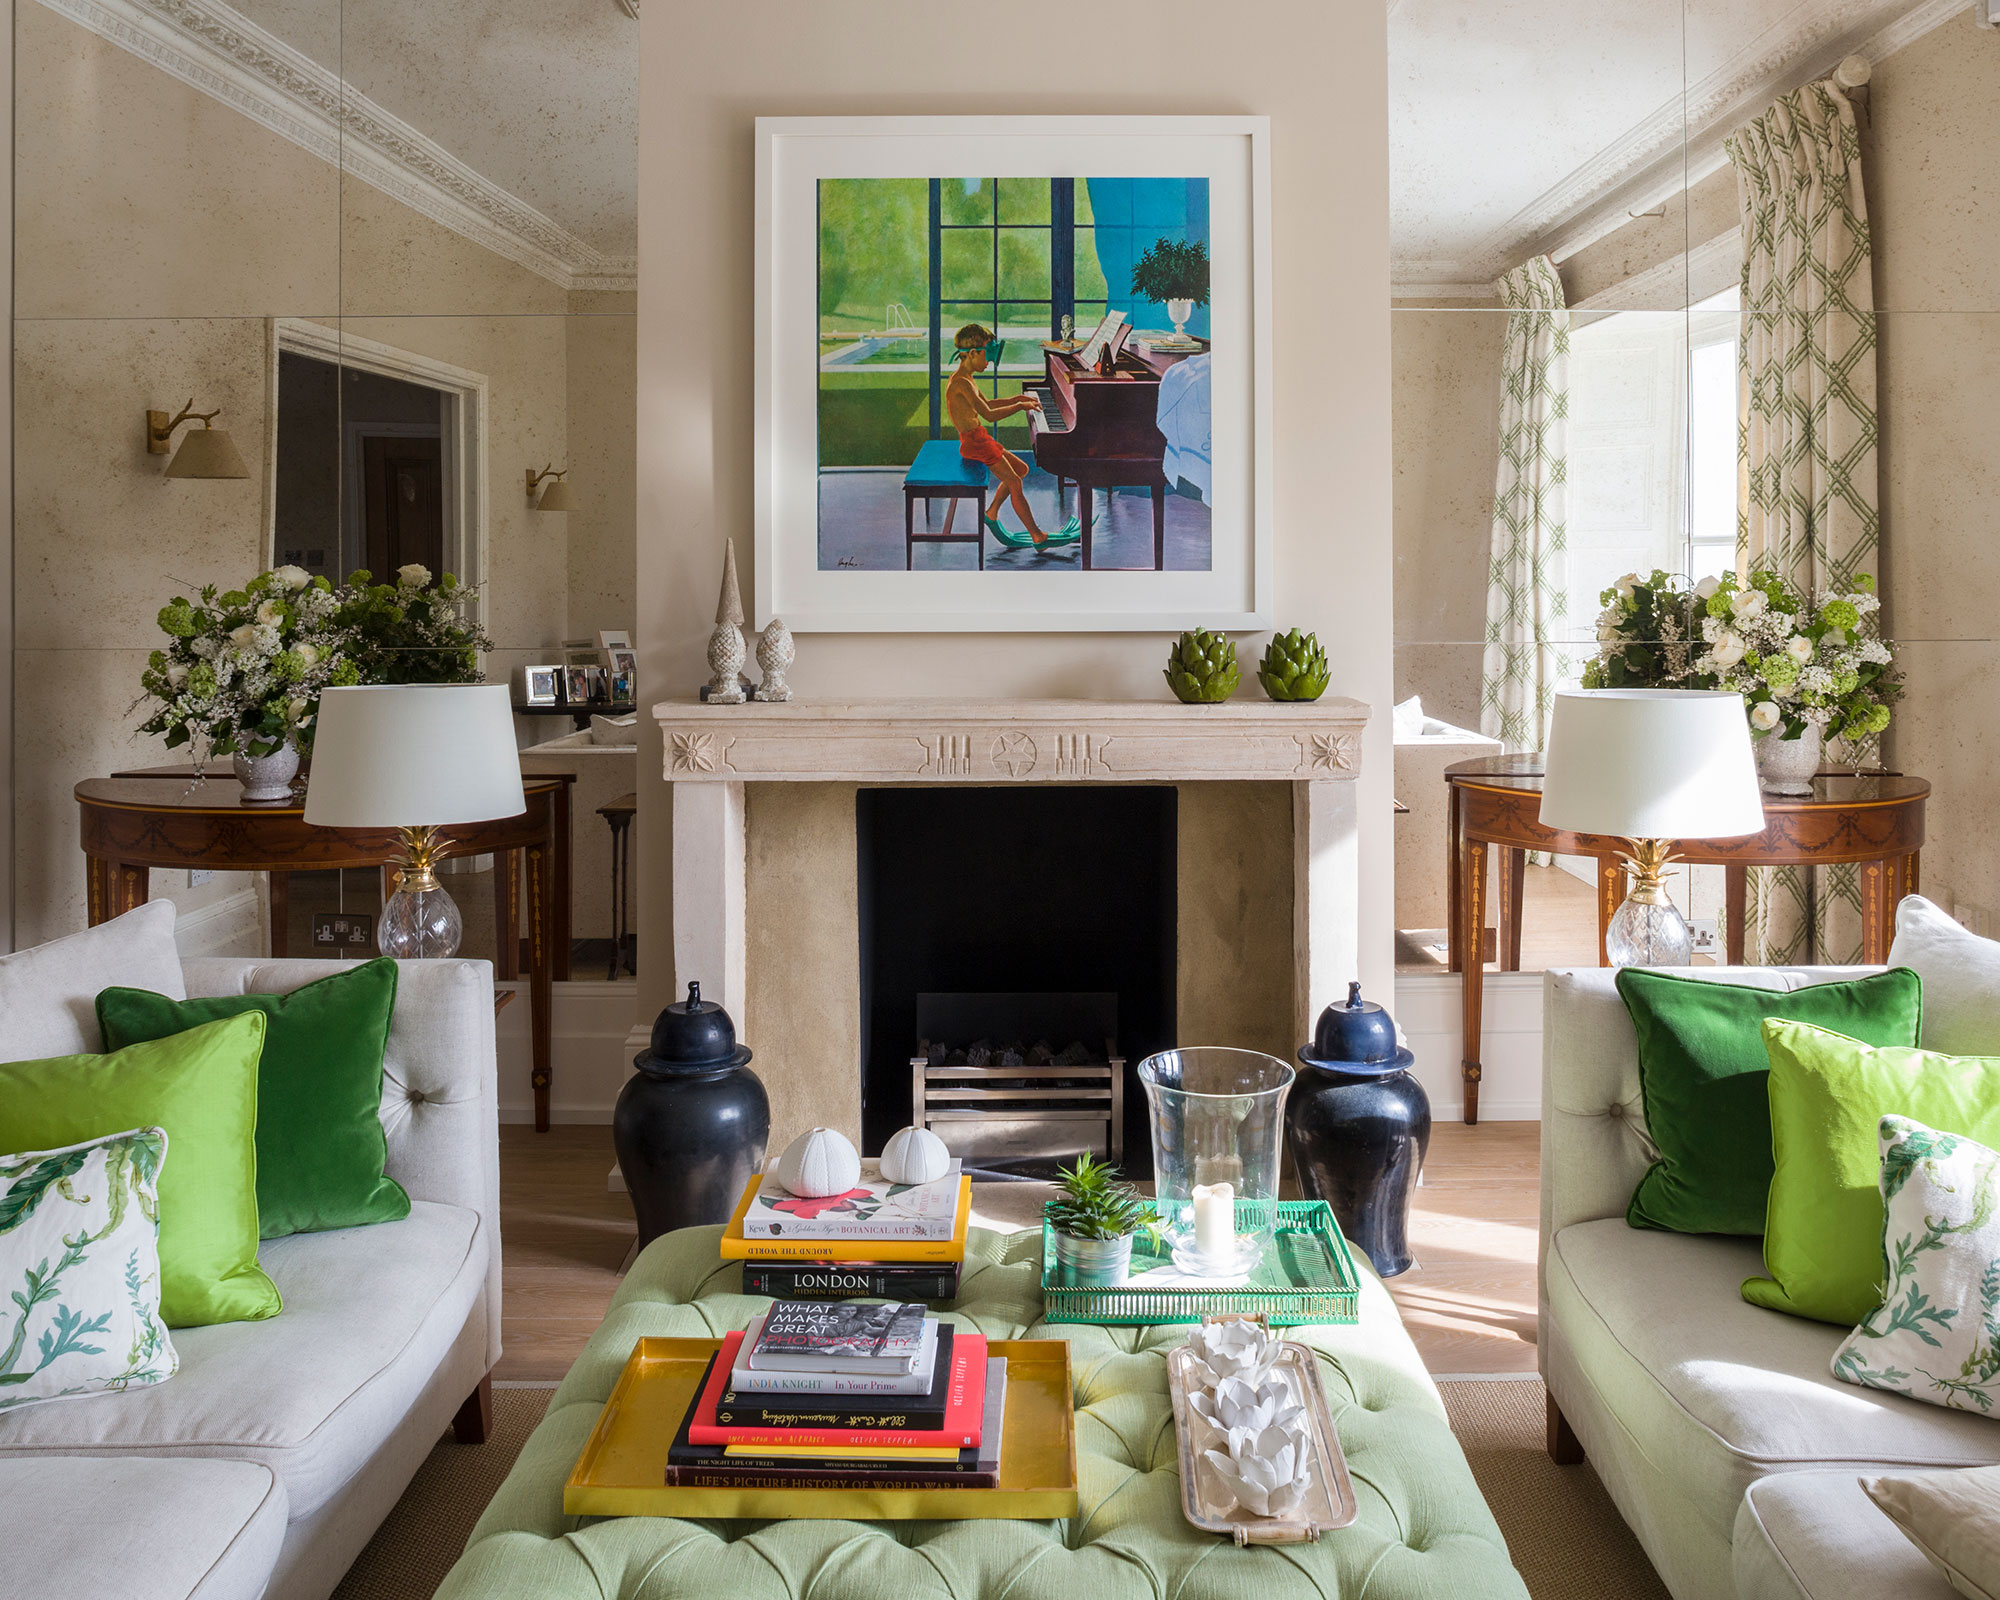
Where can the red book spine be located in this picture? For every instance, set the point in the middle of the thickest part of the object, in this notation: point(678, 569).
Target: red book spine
point(965, 1405)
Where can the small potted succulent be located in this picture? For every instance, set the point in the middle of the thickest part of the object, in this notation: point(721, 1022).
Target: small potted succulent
point(1094, 1218)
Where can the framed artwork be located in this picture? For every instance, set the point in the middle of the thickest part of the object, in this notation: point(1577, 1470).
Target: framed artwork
point(624, 661)
point(1013, 374)
point(610, 639)
point(581, 653)
point(541, 686)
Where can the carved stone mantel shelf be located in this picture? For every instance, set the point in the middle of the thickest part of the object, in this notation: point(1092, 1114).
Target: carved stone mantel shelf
point(1002, 741)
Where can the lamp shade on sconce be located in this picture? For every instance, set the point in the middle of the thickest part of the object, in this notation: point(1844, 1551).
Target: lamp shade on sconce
point(207, 453)
point(1651, 764)
point(414, 755)
point(554, 498)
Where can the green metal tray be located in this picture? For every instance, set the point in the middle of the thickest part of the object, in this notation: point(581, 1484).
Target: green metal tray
point(1306, 1276)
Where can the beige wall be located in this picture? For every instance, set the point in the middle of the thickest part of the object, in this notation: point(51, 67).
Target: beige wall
point(144, 279)
point(603, 458)
point(707, 72)
point(1935, 224)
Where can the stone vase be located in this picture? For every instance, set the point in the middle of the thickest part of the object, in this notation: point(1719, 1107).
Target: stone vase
point(267, 777)
point(1787, 766)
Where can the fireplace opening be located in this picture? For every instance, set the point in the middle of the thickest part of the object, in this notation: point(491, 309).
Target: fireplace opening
point(998, 920)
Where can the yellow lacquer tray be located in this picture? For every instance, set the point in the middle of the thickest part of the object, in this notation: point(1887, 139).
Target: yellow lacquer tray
point(622, 1470)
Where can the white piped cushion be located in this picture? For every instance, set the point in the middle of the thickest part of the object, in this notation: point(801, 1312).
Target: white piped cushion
point(1961, 977)
point(48, 995)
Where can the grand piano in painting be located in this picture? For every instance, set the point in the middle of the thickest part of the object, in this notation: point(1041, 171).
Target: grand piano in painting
point(1100, 432)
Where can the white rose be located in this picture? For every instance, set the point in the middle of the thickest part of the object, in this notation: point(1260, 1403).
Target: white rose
point(1764, 716)
point(1628, 583)
point(177, 674)
point(413, 576)
point(291, 577)
point(1784, 691)
point(270, 612)
point(306, 653)
point(295, 708)
point(1800, 649)
point(1706, 588)
point(1750, 604)
point(244, 637)
point(1728, 650)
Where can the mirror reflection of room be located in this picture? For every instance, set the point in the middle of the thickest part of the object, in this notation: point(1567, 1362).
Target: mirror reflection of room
point(1631, 344)
point(403, 321)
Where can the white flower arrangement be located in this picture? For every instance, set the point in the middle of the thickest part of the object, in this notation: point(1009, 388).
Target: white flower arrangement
point(1797, 660)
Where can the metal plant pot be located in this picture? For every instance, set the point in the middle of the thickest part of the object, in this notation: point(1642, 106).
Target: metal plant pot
point(1095, 1261)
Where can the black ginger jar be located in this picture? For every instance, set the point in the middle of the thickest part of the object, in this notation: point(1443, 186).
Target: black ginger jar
point(692, 1122)
point(1358, 1125)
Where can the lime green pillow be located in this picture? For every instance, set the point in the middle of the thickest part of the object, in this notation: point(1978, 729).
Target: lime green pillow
point(1829, 1094)
point(320, 1148)
point(1702, 1075)
point(201, 1086)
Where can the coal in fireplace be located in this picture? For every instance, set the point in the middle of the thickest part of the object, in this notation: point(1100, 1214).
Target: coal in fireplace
point(1018, 950)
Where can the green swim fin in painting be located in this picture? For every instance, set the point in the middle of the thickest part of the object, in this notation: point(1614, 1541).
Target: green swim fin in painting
point(1069, 533)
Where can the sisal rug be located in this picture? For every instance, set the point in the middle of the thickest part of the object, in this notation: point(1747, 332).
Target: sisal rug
point(1561, 1528)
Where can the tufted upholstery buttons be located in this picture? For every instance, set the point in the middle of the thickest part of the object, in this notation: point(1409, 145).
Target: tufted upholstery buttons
point(416, 1097)
point(1615, 1110)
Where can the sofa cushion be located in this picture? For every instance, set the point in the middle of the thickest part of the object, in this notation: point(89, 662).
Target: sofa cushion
point(1720, 1392)
point(369, 1314)
point(159, 1529)
point(1815, 1536)
point(1423, 1529)
point(1961, 974)
point(48, 994)
point(320, 1146)
point(1953, 1519)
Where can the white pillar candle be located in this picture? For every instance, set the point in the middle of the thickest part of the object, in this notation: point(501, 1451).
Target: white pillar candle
point(1215, 1220)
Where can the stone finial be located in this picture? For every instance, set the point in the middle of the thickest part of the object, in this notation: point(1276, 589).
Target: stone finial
point(775, 654)
point(729, 604)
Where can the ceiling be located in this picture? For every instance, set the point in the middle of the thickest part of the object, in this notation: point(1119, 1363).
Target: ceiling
point(540, 98)
point(1540, 125)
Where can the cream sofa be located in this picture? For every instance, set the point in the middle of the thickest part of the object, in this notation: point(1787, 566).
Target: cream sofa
point(1714, 1424)
point(268, 1461)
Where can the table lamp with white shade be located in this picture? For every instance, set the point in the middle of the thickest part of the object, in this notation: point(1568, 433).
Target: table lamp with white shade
point(416, 757)
point(1650, 766)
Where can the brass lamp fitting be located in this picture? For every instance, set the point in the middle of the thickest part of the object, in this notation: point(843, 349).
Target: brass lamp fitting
point(160, 427)
point(1647, 861)
point(423, 848)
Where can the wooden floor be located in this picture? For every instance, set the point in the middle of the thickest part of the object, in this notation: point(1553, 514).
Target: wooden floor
point(1469, 1304)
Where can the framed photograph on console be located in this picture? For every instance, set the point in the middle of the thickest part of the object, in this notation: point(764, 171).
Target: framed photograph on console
point(1013, 374)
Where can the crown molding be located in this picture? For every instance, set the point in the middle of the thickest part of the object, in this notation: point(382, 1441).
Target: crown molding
point(218, 51)
point(1681, 142)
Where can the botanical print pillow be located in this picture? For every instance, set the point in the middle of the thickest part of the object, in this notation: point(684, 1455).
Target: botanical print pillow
point(1936, 1336)
point(80, 1269)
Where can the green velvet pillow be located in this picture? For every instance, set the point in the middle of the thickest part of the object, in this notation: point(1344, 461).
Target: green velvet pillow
point(1823, 1232)
point(320, 1148)
point(201, 1086)
point(1702, 1072)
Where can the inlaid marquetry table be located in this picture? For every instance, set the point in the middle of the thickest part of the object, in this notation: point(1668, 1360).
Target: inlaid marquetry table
point(164, 817)
point(1874, 821)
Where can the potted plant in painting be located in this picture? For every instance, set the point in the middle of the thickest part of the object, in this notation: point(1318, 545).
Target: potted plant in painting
point(1175, 273)
point(1094, 1218)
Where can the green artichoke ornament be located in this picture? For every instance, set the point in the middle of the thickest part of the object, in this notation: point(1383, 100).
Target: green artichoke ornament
point(1201, 668)
point(1294, 667)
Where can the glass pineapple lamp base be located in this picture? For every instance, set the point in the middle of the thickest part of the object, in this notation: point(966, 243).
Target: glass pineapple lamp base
point(1648, 930)
point(420, 924)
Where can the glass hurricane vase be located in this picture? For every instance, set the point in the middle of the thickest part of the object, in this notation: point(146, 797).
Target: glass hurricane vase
point(1218, 1120)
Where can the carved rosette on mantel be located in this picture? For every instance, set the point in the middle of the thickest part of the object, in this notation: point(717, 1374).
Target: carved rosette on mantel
point(710, 752)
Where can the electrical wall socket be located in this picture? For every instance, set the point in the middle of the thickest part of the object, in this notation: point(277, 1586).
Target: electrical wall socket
point(1707, 936)
point(197, 876)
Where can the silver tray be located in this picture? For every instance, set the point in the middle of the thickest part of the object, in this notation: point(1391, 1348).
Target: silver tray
point(1329, 1503)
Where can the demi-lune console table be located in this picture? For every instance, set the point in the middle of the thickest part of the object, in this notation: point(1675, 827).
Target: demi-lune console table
point(166, 817)
point(1874, 821)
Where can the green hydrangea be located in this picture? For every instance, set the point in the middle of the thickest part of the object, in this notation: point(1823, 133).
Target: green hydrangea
point(177, 619)
point(1780, 672)
point(1854, 728)
point(345, 674)
point(1865, 583)
point(1841, 614)
point(289, 666)
point(1718, 603)
point(201, 680)
point(1847, 683)
point(1878, 718)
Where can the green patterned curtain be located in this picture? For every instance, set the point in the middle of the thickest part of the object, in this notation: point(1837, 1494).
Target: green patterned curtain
point(1807, 500)
point(1527, 582)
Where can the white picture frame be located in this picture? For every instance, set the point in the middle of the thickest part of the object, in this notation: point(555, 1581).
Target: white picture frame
point(794, 155)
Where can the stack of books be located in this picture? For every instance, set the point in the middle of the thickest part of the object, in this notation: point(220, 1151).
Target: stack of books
point(824, 1396)
point(878, 1240)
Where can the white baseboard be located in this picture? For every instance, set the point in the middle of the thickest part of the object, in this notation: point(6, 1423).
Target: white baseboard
point(231, 926)
point(589, 1056)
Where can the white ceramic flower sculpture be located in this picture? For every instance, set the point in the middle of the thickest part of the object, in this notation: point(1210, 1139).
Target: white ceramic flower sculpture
point(1268, 1476)
point(914, 1155)
point(1244, 1411)
point(819, 1162)
point(1235, 1349)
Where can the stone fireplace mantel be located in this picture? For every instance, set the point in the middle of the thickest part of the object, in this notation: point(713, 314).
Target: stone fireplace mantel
point(711, 752)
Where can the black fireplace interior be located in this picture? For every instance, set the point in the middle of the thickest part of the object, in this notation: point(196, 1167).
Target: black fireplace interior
point(1030, 891)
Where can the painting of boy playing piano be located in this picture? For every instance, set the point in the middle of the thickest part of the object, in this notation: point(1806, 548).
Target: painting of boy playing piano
point(999, 390)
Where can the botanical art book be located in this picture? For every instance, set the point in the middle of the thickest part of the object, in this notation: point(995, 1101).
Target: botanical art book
point(873, 1209)
point(734, 1246)
point(829, 1336)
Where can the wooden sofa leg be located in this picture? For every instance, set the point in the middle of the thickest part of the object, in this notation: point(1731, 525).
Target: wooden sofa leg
point(1565, 1448)
point(474, 1421)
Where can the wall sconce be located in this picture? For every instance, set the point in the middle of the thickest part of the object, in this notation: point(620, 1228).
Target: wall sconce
point(556, 496)
point(206, 452)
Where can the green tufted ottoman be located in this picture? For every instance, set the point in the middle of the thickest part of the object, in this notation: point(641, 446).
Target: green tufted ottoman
point(1423, 1533)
